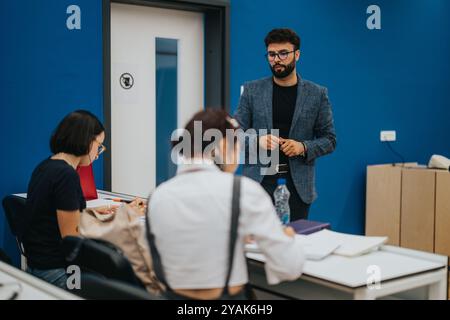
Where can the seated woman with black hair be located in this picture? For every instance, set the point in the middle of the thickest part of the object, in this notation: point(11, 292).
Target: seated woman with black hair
point(55, 198)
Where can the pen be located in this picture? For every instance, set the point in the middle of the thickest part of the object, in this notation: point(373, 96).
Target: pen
point(119, 200)
point(140, 204)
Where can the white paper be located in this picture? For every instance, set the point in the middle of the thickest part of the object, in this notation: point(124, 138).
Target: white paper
point(314, 250)
point(321, 244)
point(349, 245)
point(100, 203)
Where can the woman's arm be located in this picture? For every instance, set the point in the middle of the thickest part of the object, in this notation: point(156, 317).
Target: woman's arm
point(68, 222)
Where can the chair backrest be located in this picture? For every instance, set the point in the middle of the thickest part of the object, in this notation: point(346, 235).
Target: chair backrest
point(15, 211)
point(4, 257)
point(99, 288)
point(99, 257)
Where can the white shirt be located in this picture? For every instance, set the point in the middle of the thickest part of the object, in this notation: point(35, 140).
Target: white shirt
point(190, 216)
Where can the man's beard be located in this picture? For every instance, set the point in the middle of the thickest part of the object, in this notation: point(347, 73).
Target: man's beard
point(283, 73)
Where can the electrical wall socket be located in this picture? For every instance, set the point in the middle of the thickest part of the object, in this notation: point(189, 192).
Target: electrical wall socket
point(389, 135)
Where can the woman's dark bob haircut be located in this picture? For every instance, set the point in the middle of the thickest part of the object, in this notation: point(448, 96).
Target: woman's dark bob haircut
point(75, 133)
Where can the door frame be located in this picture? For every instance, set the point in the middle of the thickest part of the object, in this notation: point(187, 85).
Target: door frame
point(216, 57)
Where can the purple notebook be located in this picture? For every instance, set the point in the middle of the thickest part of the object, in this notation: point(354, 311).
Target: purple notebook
point(307, 226)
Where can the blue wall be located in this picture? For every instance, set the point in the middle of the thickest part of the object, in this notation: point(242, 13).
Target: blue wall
point(397, 78)
point(47, 71)
point(394, 78)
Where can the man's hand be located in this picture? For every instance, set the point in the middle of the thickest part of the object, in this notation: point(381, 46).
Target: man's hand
point(269, 142)
point(291, 148)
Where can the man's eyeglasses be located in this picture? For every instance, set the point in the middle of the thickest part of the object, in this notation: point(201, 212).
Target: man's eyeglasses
point(282, 55)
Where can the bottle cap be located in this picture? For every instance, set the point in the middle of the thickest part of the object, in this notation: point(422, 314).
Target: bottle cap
point(281, 181)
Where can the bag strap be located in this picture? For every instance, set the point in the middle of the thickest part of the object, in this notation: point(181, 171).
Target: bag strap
point(235, 211)
point(156, 258)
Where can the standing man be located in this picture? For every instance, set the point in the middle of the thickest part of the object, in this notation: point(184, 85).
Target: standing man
point(300, 110)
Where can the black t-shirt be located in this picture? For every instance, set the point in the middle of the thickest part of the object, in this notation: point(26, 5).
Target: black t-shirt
point(283, 107)
point(54, 185)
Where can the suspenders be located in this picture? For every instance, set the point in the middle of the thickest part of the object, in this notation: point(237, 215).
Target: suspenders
point(235, 211)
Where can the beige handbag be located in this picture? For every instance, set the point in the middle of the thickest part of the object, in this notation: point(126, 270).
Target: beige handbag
point(126, 230)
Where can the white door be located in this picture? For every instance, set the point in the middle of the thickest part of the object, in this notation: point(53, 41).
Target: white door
point(156, 86)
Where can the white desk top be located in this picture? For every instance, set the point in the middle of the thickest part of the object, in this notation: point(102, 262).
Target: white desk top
point(393, 262)
point(102, 194)
point(30, 288)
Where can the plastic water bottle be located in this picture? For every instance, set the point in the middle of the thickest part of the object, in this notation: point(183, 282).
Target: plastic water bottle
point(281, 196)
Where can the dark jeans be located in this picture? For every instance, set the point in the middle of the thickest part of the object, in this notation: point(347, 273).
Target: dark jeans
point(57, 277)
point(299, 209)
point(242, 295)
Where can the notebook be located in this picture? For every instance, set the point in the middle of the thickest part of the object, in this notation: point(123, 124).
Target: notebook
point(314, 250)
point(99, 203)
point(87, 182)
point(303, 226)
point(321, 244)
point(349, 245)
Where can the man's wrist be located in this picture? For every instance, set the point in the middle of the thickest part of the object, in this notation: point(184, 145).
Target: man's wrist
point(303, 154)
